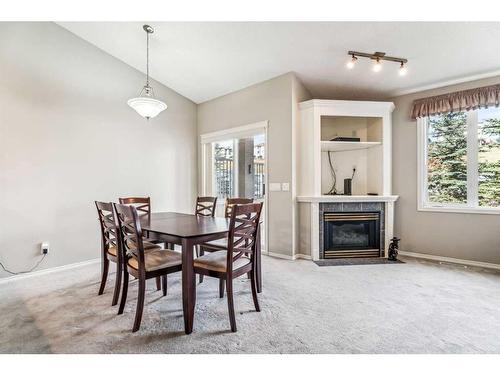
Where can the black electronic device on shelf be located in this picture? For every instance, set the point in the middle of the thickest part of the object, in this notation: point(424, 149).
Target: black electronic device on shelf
point(345, 139)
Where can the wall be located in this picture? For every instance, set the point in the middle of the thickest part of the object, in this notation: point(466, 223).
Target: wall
point(299, 94)
point(67, 138)
point(272, 100)
point(457, 235)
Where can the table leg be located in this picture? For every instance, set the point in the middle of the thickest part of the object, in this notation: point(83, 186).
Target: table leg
point(258, 268)
point(188, 285)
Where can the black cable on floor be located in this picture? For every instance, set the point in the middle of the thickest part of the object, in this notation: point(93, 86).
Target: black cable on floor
point(21, 272)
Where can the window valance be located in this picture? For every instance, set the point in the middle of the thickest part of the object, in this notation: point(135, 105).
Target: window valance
point(465, 100)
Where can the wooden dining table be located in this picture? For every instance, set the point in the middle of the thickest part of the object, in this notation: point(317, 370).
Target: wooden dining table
point(188, 231)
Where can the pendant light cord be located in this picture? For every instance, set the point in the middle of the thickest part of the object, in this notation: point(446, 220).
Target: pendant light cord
point(147, 59)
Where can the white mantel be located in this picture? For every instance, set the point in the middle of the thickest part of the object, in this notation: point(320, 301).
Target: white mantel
point(347, 198)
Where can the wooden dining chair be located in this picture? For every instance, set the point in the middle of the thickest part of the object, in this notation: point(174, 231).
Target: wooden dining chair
point(219, 245)
point(141, 204)
point(143, 207)
point(205, 206)
point(229, 264)
point(110, 247)
point(141, 264)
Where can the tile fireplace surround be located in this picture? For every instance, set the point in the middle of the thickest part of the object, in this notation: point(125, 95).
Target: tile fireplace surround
point(311, 213)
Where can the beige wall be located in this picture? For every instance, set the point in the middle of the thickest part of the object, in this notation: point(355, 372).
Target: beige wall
point(67, 138)
point(272, 100)
point(464, 236)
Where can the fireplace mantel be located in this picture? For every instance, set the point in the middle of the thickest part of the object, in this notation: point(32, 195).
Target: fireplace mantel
point(347, 198)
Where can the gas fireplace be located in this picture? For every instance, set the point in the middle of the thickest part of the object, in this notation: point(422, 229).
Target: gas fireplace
point(351, 234)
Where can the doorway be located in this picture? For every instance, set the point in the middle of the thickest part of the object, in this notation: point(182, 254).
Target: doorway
point(234, 164)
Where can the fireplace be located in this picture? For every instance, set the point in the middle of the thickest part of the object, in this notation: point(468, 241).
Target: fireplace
point(351, 234)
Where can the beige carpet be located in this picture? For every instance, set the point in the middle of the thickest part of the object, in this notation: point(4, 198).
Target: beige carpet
point(417, 307)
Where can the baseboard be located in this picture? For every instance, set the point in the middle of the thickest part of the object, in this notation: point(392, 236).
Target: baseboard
point(438, 258)
point(287, 257)
point(303, 256)
point(49, 270)
point(278, 255)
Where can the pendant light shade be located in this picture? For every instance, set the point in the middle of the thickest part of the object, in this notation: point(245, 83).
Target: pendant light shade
point(146, 104)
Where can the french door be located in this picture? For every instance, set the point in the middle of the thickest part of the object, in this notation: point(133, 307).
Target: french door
point(234, 165)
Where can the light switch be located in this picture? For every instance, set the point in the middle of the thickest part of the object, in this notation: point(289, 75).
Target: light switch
point(285, 186)
point(274, 186)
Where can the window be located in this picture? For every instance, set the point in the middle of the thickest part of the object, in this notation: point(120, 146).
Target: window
point(459, 161)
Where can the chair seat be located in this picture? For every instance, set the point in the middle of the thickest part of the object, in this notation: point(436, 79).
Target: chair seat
point(157, 259)
point(217, 261)
point(113, 251)
point(147, 245)
point(216, 245)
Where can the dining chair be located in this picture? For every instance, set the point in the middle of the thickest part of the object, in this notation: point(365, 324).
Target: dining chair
point(205, 206)
point(141, 204)
point(219, 245)
point(143, 207)
point(141, 264)
point(110, 247)
point(229, 264)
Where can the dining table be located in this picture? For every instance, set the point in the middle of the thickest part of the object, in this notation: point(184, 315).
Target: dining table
point(188, 230)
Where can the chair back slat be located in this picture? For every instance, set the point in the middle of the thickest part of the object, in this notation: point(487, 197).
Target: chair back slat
point(141, 204)
point(230, 202)
point(107, 221)
point(243, 229)
point(205, 206)
point(131, 233)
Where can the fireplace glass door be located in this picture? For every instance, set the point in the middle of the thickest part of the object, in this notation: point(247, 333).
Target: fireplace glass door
point(351, 234)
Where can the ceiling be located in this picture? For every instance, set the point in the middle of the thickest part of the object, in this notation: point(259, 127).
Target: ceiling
point(204, 60)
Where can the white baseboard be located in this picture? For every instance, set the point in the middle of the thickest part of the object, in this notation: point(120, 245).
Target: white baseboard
point(303, 256)
point(49, 270)
point(438, 258)
point(287, 257)
point(278, 255)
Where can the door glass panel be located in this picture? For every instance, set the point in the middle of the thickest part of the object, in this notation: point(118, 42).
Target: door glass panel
point(223, 168)
point(258, 166)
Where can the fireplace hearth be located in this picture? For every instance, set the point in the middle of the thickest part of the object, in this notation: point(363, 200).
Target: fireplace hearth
point(351, 234)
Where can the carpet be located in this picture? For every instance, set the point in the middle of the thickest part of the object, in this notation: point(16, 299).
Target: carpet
point(416, 307)
point(355, 261)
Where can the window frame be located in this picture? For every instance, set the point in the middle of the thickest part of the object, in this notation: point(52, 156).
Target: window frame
point(472, 205)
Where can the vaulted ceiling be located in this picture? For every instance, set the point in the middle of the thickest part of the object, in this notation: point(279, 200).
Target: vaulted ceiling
point(204, 60)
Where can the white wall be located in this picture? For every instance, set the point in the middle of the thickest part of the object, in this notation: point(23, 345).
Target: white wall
point(273, 101)
point(457, 235)
point(67, 138)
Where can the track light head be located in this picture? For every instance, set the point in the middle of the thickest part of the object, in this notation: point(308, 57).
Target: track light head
point(403, 70)
point(352, 62)
point(377, 67)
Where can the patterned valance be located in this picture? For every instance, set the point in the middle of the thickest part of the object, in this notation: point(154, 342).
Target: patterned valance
point(457, 101)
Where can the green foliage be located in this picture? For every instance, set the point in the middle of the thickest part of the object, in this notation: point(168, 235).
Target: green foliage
point(447, 160)
point(489, 168)
point(447, 151)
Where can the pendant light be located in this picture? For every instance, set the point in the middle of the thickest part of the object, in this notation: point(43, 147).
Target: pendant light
point(145, 104)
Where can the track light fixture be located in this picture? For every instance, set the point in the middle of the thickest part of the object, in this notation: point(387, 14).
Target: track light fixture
point(377, 58)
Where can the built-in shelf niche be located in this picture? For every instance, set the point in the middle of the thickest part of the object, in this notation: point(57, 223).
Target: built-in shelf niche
point(322, 121)
point(365, 155)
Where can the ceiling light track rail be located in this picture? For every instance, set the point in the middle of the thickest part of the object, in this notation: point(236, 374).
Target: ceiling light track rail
point(377, 56)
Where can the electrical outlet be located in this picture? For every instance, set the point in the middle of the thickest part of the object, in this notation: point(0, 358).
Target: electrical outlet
point(44, 248)
point(285, 186)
